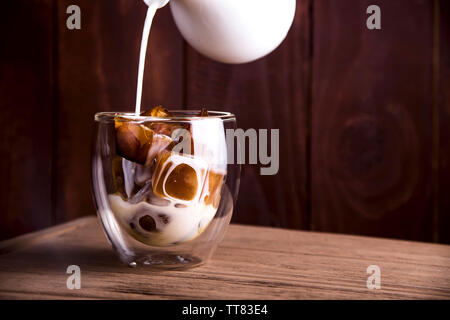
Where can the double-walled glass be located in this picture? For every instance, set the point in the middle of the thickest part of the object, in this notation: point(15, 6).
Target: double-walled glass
point(164, 187)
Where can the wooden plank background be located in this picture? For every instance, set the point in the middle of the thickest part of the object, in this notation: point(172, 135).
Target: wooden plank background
point(442, 66)
point(270, 93)
point(26, 104)
point(371, 119)
point(363, 114)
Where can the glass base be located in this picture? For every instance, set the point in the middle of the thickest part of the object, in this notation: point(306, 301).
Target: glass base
point(167, 261)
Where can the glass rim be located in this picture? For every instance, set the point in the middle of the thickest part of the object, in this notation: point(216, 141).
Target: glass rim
point(179, 116)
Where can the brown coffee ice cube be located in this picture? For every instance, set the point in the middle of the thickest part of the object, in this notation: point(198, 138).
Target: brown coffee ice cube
point(213, 188)
point(157, 112)
point(159, 143)
point(203, 113)
point(138, 142)
point(133, 141)
point(163, 127)
point(160, 127)
point(179, 177)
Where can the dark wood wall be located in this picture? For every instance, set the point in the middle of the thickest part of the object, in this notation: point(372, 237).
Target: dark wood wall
point(364, 116)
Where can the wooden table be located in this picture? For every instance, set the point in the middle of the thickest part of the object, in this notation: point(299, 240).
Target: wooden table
point(251, 263)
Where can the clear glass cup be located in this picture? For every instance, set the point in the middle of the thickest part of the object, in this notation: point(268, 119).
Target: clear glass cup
point(163, 187)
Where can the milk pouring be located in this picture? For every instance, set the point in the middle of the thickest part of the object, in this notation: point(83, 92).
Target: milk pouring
point(229, 31)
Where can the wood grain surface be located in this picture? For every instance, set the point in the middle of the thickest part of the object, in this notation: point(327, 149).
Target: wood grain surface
point(270, 93)
point(26, 91)
point(251, 263)
point(371, 160)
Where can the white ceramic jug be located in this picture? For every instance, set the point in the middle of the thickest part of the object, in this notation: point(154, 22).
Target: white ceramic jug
point(233, 31)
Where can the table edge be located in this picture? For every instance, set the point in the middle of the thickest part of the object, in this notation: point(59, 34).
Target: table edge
point(19, 242)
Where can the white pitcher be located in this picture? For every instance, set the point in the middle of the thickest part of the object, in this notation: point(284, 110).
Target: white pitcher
point(233, 31)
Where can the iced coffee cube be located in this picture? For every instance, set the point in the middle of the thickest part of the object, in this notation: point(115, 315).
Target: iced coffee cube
point(167, 128)
point(158, 111)
point(133, 141)
point(203, 112)
point(213, 188)
point(138, 143)
point(159, 143)
point(163, 127)
point(179, 177)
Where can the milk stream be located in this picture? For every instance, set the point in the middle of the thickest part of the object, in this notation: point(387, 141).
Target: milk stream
point(145, 35)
